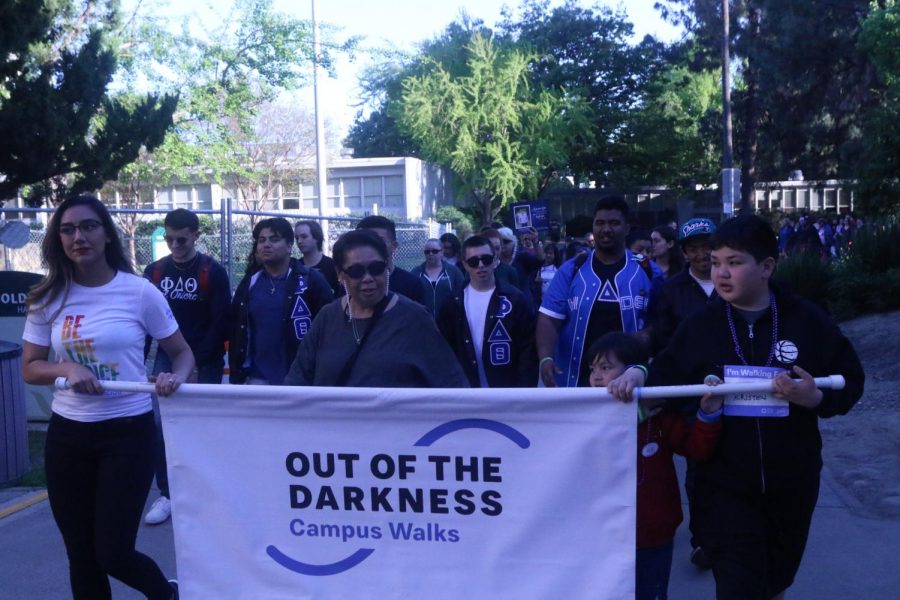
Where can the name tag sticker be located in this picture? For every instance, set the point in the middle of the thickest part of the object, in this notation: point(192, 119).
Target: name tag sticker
point(753, 404)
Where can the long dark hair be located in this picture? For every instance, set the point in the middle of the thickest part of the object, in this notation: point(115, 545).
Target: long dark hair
point(60, 269)
point(676, 256)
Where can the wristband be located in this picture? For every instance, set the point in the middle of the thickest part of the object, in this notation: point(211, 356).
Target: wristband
point(642, 368)
point(543, 360)
point(709, 417)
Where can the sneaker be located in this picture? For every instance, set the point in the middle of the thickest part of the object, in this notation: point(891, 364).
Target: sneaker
point(700, 559)
point(159, 512)
point(174, 584)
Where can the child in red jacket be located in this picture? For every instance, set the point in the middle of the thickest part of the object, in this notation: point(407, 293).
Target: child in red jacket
point(660, 435)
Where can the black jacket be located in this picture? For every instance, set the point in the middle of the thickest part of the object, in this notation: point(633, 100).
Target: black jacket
point(759, 455)
point(508, 351)
point(308, 292)
point(680, 297)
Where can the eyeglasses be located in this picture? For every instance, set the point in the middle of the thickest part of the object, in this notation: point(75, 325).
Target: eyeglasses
point(431, 251)
point(181, 241)
point(485, 259)
point(87, 226)
point(506, 241)
point(374, 268)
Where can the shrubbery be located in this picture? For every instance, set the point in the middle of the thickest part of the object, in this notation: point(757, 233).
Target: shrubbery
point(865, 280)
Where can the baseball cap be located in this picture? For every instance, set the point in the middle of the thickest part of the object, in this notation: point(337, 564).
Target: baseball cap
point(695, 227)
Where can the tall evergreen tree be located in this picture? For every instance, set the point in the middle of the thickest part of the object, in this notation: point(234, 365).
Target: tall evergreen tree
point(62, 131)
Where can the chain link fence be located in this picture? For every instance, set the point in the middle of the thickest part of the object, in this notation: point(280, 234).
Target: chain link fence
point(225, 235)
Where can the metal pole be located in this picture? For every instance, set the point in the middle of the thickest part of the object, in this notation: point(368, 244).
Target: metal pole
point(727, 150)
point(321, 173)
point(229, 239)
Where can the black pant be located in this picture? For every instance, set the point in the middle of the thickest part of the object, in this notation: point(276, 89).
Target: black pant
point(755, 541)
point(98, 476)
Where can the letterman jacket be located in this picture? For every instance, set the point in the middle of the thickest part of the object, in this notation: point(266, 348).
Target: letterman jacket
point(572, 295)
point(757, 455)
point(307, 292)
point(507, 351)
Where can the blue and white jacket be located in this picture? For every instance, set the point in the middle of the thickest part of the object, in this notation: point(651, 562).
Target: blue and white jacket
point(571, 296)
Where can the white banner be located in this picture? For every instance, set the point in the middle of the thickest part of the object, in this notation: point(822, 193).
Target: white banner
point(392, 493)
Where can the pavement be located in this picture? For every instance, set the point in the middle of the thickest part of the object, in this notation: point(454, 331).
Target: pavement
point(848, 556)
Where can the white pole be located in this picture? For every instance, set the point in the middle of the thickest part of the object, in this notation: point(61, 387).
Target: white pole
point(321, 172)
point(672, 391)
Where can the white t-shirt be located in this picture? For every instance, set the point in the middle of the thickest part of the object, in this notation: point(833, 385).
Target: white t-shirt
point(476, 314)
point(103, 328)
point(707, 284)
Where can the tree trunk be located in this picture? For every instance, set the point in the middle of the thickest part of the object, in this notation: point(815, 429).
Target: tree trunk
point(751, 114)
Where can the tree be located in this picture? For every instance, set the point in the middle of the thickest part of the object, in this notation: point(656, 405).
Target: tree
point(226, 77)
point(673, 139)
point(63, 132)
point(879, 165)
point(585, 53)
point(805, 84)
point(500, 136)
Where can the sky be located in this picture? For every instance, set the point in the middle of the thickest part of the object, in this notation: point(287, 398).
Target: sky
point(401, 24)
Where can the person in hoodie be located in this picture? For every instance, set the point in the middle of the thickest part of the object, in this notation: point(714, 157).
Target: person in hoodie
point(440, 280)
point(755, 497)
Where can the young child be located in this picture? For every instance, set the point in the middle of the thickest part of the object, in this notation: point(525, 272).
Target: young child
point(660, 435)
point(755, 498)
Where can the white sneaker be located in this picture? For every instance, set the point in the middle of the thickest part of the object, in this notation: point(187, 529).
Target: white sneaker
point(159, 512)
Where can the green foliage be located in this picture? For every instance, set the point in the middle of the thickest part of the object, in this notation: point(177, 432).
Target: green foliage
point(226, 75)
point(461, 222)
point(879, 167)
point(498, 134)
point(806, 275)
point(62, 132)
point(673, 138)
point(875, 249)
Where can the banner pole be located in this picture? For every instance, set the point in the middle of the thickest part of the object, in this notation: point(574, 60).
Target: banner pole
point(671, 391)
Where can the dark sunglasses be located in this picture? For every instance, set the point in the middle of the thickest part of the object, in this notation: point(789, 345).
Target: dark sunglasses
point(374, 268)
point(181, 241)
point(85, 227)
point(485, 259)
point(431, 251)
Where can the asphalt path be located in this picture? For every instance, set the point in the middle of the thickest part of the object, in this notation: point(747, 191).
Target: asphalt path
point(848, 556)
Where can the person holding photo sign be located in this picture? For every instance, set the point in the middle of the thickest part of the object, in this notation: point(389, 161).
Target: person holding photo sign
point(756, 496)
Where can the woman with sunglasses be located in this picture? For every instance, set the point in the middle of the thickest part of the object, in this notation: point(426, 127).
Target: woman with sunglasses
point(440, 280)
point(372, 337)
point(95, 313)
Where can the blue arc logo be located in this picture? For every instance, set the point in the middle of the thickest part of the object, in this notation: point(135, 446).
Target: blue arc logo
point(292, 564)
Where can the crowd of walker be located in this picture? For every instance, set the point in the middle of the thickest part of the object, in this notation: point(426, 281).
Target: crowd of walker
point(618, 307)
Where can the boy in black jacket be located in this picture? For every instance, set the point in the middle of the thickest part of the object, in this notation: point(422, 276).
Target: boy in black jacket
point(489, 324)
point(755, 498)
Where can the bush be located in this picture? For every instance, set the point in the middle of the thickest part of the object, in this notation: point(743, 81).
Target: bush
point(852, 294)
point(875, 249)
point(461, 222)
point(806, 275)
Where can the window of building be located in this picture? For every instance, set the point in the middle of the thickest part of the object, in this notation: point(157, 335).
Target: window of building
point(393, 191)
point(352, 195)
point(203, 195)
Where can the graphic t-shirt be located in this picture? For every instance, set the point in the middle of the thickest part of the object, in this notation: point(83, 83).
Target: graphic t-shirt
point(476, 314)
point(103, 328)
point(606, 314)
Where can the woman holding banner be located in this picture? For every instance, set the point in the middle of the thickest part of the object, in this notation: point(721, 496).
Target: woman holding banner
point(371, 337)
point(95, 313)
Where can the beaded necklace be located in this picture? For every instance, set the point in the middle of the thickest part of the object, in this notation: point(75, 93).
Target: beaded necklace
point(737, 344)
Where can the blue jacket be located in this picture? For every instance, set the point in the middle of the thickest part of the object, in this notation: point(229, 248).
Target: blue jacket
point(449, 283)
point(572, 295)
